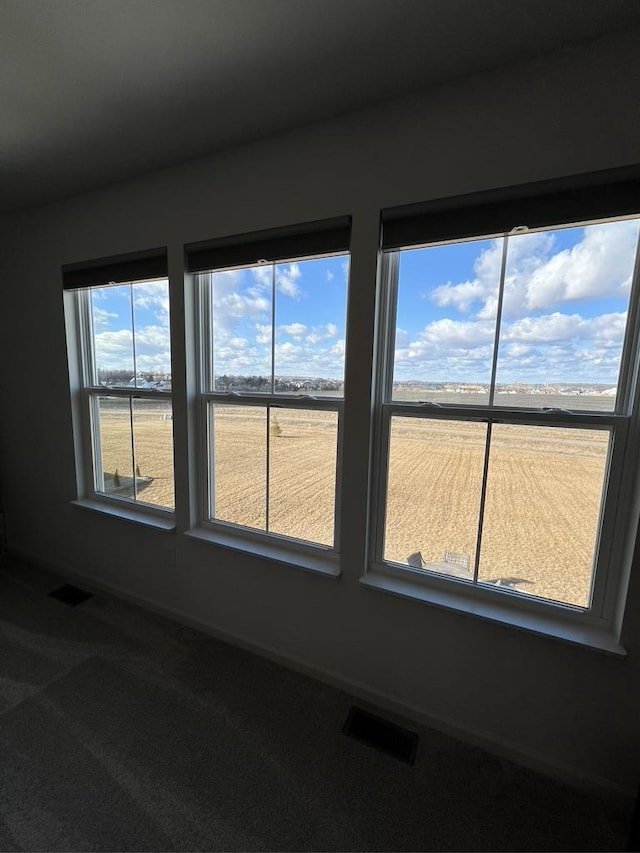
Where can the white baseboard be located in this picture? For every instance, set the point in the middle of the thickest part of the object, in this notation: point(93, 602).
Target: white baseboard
point(592, 783)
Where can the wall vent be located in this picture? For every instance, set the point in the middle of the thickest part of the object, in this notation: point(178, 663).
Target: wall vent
point(71, 595)
point(381, 734)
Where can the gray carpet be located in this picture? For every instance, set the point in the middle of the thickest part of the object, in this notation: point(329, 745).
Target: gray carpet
point(120, 730)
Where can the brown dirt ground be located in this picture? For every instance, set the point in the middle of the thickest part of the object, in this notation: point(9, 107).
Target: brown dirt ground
point(542, 501)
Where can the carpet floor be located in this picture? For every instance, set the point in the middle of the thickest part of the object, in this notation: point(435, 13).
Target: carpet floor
point(122, 730)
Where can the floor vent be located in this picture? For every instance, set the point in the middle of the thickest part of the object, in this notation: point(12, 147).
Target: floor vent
point(381, 734)
point(71, 595)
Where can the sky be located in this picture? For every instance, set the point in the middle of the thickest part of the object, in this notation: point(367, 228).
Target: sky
point(116, 326)
point(309, 297)
point(566, 294)
point(564, 310)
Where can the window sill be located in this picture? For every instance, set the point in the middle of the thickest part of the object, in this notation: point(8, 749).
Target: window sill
point(590, 636)
point(147, 518)
point(323, 563)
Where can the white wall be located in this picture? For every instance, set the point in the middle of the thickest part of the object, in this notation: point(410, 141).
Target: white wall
point(571, 112)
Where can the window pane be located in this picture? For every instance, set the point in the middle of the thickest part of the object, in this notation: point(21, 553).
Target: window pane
point(308, 342)
point(433, 494)
point(239, 464)
point(242, 329)
point(445, 323)
point(112, 334)
point(153, 451)
point(302, 474)
point(541, 518)
point(151, 334)
point(116, 462)
point(564, 311)
point(310, 325)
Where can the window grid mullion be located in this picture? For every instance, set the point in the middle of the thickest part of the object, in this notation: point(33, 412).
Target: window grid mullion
point(627, 380)
point(86, 336)
point(273, 329)
point(133, 338)
point(483, 495)
point(496, 337)
point(133, 451)
point(206, 331)
point(97, 474)
point(534, 417)
point(390, 309)
point(387, 308)
point(384, 439)
point(329, 404)
point(207, 449)
point(267, 482)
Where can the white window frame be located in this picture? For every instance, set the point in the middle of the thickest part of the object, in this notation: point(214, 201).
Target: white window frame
point(305, 554)
point(91, 493)
point(617, 514)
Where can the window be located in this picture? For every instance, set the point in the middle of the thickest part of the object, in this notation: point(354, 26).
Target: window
point(123, 382)
point(271, 346)
point(507, 396)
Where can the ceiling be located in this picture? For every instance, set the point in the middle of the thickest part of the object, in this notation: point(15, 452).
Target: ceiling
point(94, 91)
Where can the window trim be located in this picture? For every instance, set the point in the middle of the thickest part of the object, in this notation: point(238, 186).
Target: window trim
point(621, 486)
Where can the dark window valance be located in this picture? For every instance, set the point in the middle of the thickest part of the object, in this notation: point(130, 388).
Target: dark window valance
point(311, 238)
point(123, 268)
point(598, 195)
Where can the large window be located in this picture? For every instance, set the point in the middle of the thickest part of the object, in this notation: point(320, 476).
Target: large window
point(506, 396)
point(272, 342)
point(124, 387)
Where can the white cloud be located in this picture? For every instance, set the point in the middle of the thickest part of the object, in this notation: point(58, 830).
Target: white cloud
point(329, 275)
point(153, 294)
point(322, 333)
point(101, 317)
point(263, 335)
point(262, 274)
point(463, 296)
point(539, 338)
point(541, 348)
point(606, 329)
point(537, 278)
point(236, 354)
point(114, 349)
point(297, 360)
point(457, 333)
point(287, 280)
point(599, 265)
point(295, 330)
point(233, 302)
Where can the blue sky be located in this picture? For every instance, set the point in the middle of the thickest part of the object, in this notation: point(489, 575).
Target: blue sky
point(564, 311)
point(310, 310)
point(113, 323)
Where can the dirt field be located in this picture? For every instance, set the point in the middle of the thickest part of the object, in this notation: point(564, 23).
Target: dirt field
point(153, 445)
point(542, 499)
point(302, 470)
point(541, 509)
